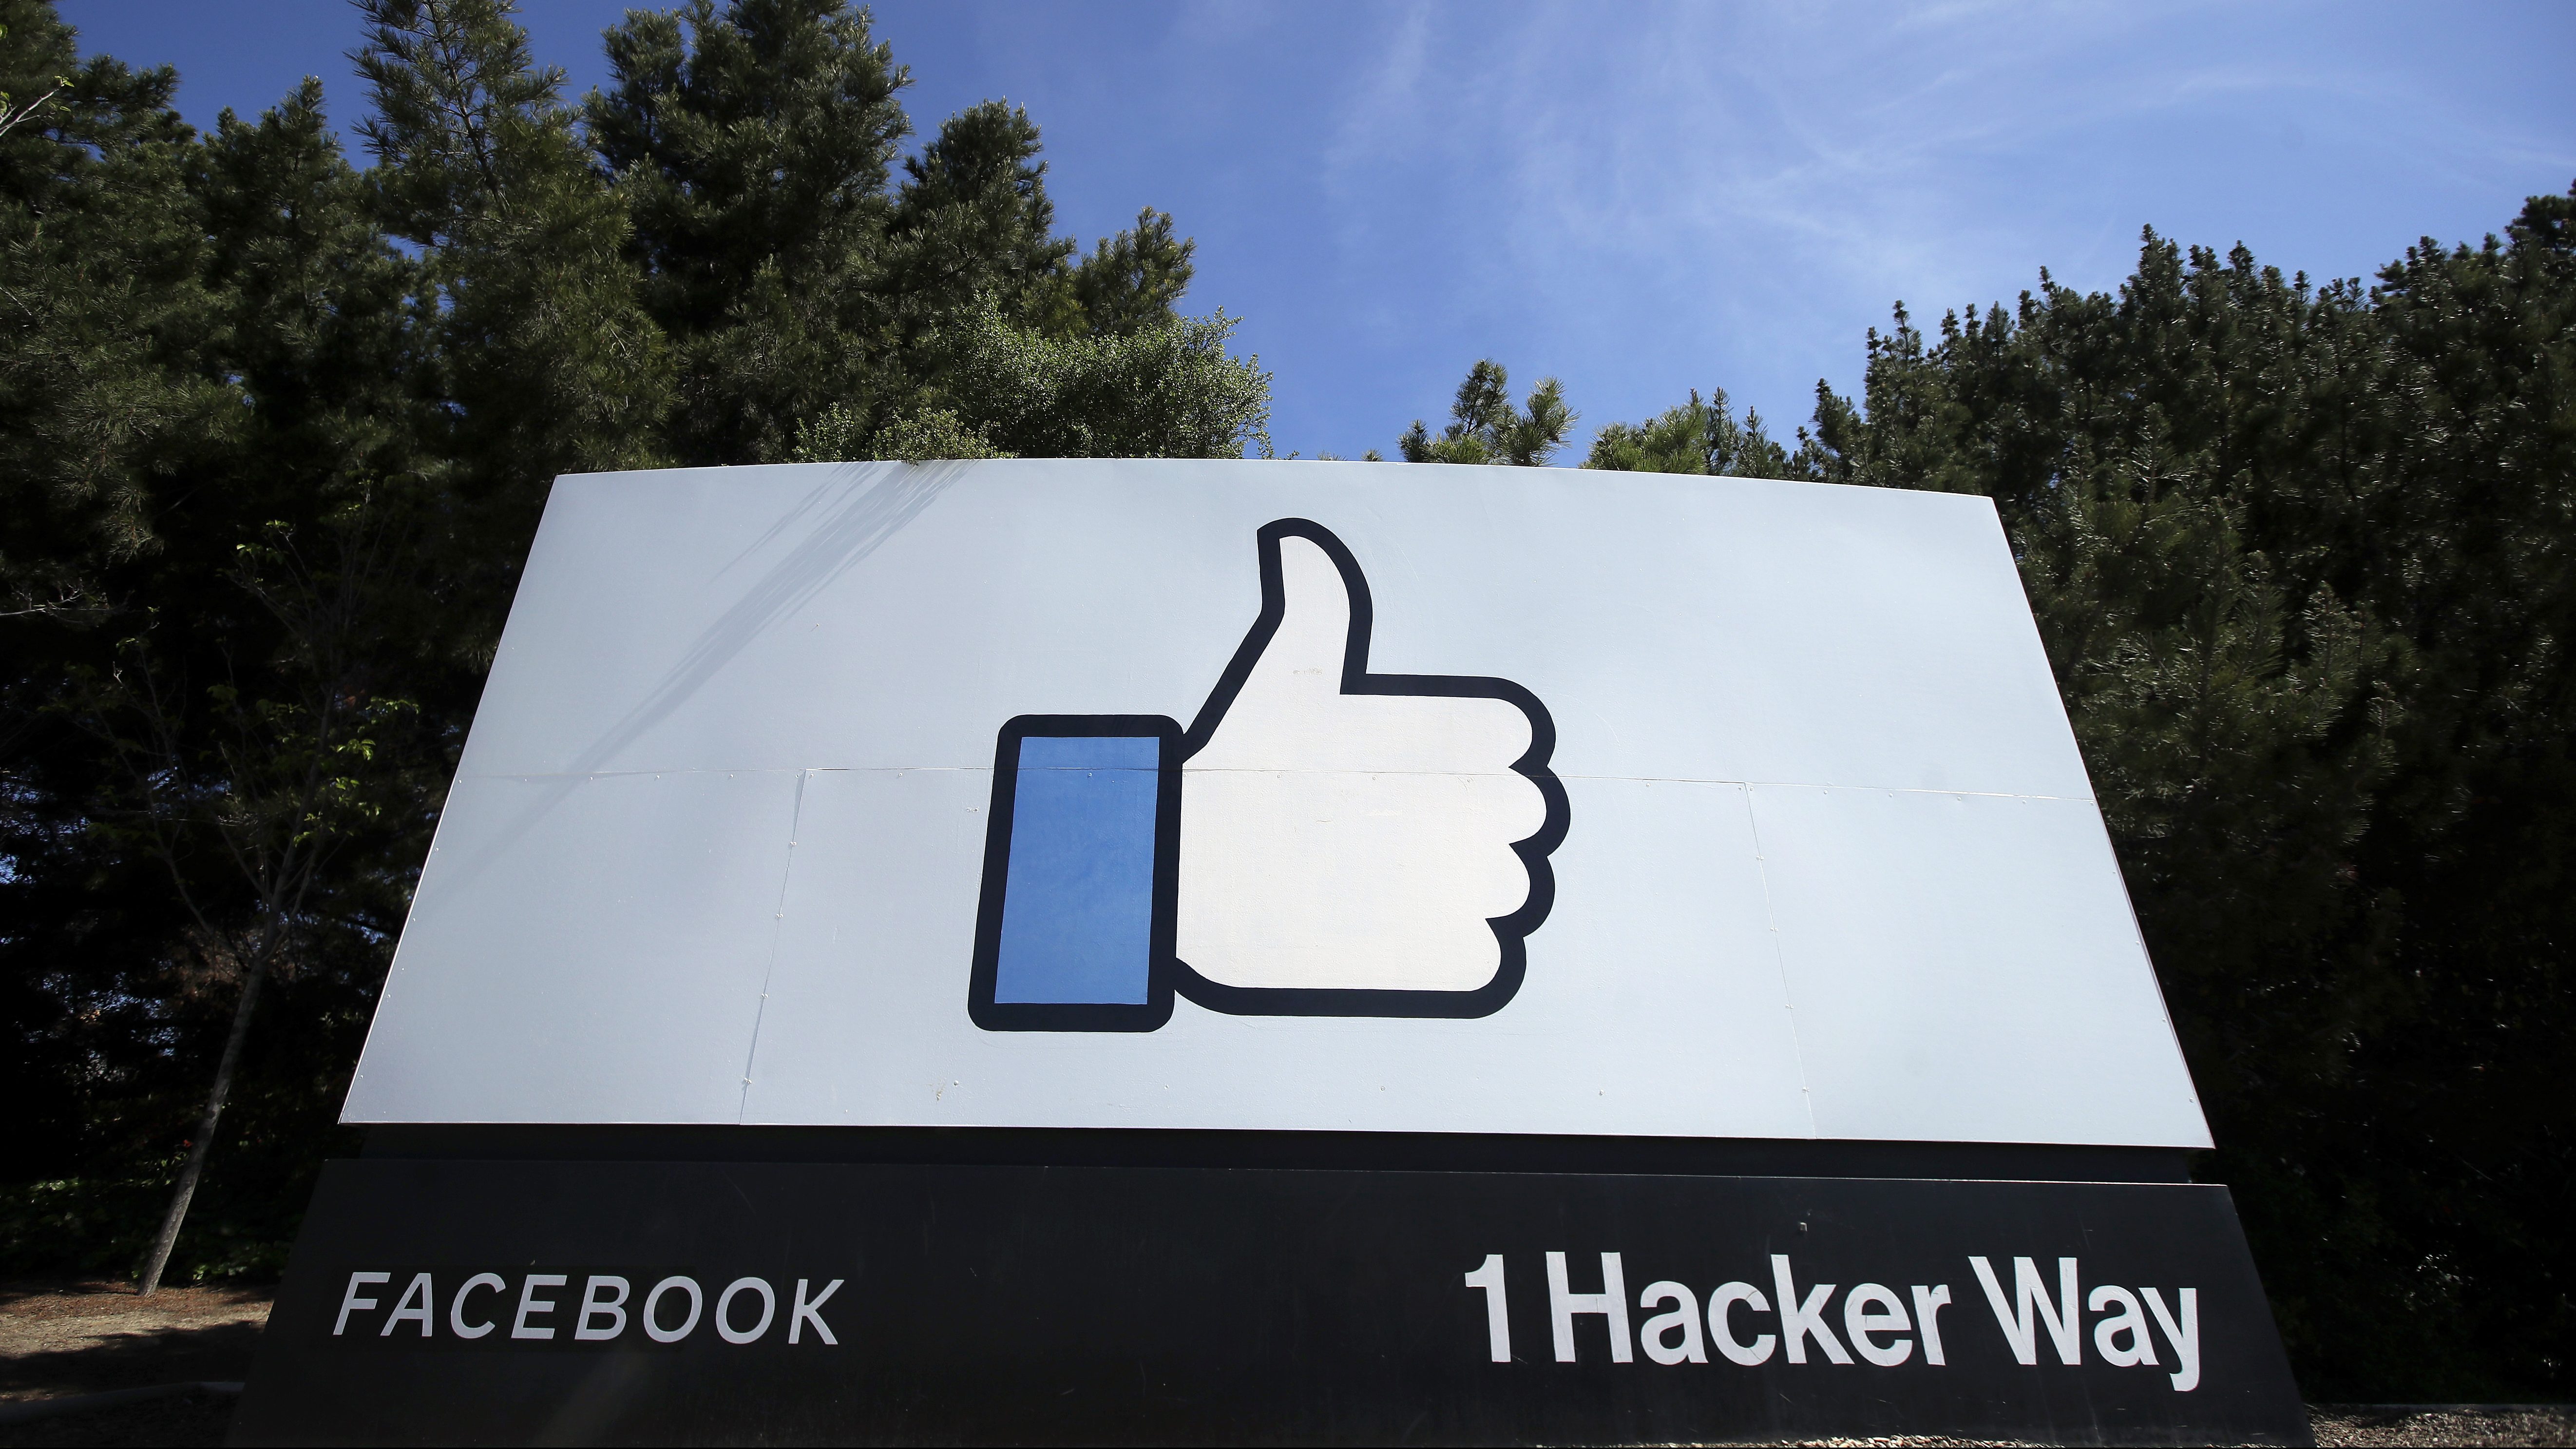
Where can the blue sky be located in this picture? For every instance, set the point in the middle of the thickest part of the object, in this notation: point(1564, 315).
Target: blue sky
point(1641, 199)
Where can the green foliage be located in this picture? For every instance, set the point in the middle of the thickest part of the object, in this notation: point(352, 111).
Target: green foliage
point(1484, 427)
point(933, 434)
point(752, 147)
point(100, 263)
point(807, 306)
point(1134, 280)
point(216, 760)
point(973, 220)
point(1170, 391)
point(2299, 557)
point(1696, 437)
point(1004, 391)
point(544, 353)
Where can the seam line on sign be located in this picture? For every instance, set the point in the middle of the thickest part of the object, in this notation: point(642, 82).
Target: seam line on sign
point(1780, 957)
point(1653, 780)
point(749, 770)
point(777, 925)
point(1828, 785)
point(1250, 770)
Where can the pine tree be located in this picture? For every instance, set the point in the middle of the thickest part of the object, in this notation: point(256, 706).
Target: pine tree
point(102, 259)
point(546, 358)
point(1169, 391)
point(811, 308)
point(1696, 437)
point(215, 770)
point(1131, 282)
point(102, 323)
point(2298, 556)
point(271, 718)
point(1484, 427)
point(973, 220)
point(753, 147)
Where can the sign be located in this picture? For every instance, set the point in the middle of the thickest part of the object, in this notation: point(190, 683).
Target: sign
point(1274, 796)
point(650, 1302)
point(1057, 950)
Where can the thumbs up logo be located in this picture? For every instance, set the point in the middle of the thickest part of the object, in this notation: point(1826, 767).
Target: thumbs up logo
point(1321, 841)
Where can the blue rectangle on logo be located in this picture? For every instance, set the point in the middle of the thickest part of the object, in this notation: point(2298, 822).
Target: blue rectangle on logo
point(1078, 906)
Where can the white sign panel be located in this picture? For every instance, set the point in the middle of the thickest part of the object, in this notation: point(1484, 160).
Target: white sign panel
point(1274, 795)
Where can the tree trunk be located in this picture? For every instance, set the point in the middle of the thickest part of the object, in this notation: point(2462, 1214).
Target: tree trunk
point(168, 1237)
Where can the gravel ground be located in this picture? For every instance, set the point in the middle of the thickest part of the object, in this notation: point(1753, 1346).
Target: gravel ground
point(2341, 1424)
point(85, 1338)
point(81, 1338)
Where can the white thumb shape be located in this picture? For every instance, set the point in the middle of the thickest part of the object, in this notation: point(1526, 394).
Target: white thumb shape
point(1357, 843)
point(1313, 641)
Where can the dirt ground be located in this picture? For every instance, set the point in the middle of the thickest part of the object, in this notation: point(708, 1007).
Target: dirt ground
point(87, 1338)
point(2340, 1424)
point(84, 1338)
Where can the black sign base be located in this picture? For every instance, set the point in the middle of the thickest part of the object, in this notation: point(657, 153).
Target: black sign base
point(456, 1301)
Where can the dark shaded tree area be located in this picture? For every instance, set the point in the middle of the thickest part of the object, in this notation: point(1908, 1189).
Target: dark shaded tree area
point(275, 431)
point(2301, 556)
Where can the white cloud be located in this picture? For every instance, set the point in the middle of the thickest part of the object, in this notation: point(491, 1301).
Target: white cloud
point(1677, 190)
